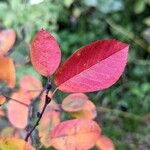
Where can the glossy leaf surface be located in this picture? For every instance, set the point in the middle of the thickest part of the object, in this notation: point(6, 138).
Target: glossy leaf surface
point(93, 67)
point(45, 53)
point(75, 134)
point(7, 71)
point(7, 39)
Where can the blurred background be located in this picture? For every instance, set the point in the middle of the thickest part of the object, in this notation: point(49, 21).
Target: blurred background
point(124, 108)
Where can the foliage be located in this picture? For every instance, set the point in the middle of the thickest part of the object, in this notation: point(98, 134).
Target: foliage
point(93, 67)
point(124, 108)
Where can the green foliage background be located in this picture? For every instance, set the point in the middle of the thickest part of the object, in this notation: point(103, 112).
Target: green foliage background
point(124, 109)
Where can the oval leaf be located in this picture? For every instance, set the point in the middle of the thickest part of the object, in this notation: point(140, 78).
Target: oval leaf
point(104, 143)
point(7, 71)
point(18, 112)
point(75, 134)
point(93, 67)
point(45, 53)
point(74, 102)
point(47, 123)
point(31, 85)
point(50, 119)
point(88, 111)
point(14, 144)
point(7, 39)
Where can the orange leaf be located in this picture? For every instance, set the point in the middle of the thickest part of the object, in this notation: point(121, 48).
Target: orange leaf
point(104, 143)
point(47, 123)
point(50, 119)
point(2, 100)
point(74, 102)
point(31, 85)
point(14, 144)
point(7, 39)
point(88, 111)
point(7, 71)
point(17, 112)
point(80, 134)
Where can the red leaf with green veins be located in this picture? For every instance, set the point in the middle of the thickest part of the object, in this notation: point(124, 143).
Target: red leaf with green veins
point(93, 67)
point(45, 53)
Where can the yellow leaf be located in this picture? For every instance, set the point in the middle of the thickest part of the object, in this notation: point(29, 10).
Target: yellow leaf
point(14, 144)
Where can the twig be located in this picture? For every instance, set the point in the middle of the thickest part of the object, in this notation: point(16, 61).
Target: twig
point(47, 101)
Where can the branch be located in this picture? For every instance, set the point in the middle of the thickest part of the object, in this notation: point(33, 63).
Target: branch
point(47, 101)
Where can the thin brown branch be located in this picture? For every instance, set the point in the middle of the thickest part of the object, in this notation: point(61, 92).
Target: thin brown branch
point(47, 101)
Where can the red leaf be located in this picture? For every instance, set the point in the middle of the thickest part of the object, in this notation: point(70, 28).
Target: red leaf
point(7, 39)
point(93, 67)
point(80, 134)
point(45, 53)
